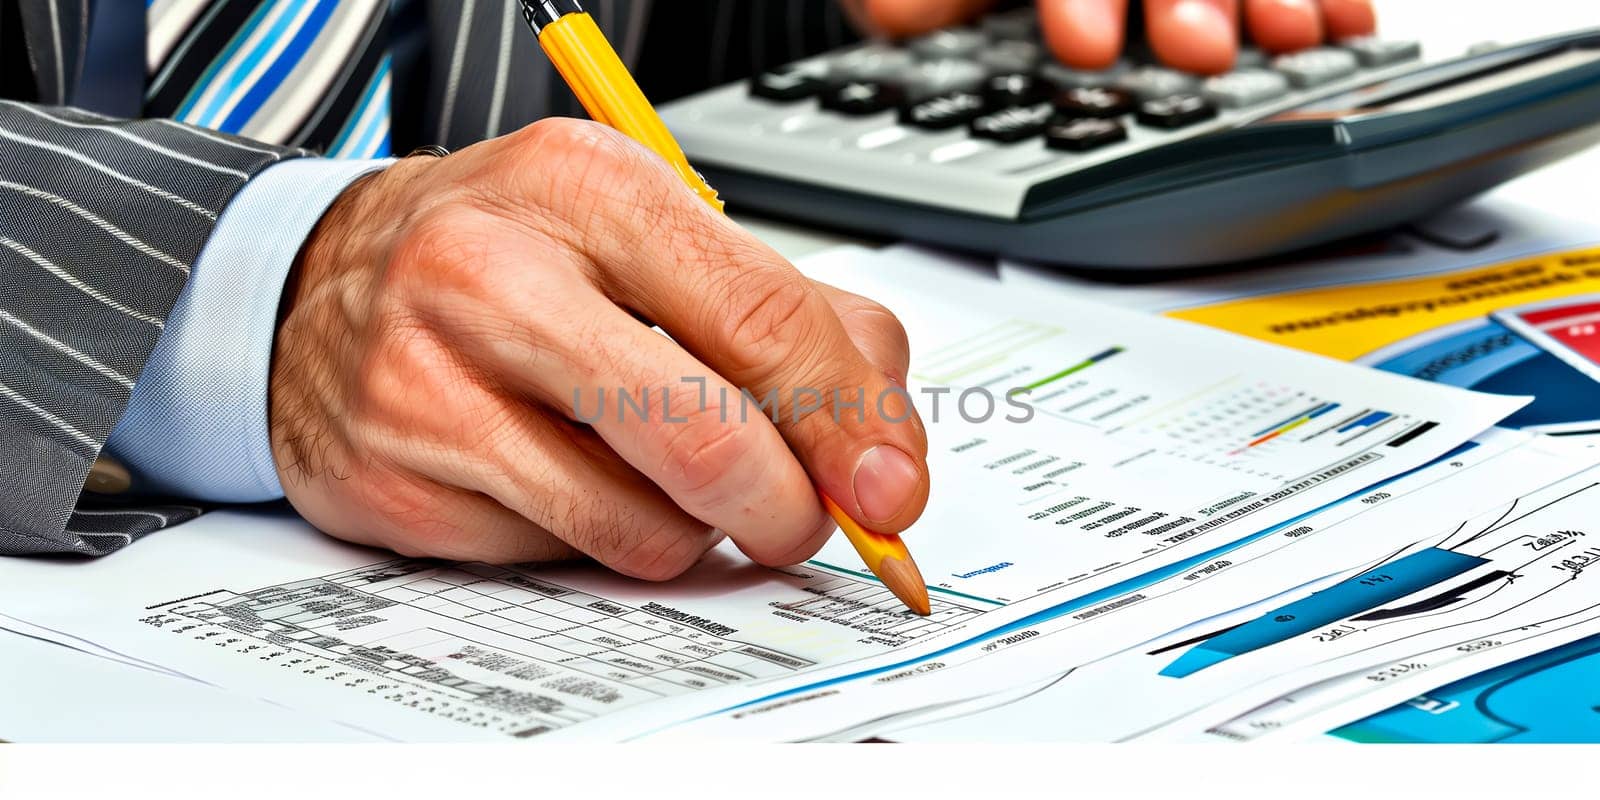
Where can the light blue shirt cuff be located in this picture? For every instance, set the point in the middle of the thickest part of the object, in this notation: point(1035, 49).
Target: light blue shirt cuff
point(196, 425)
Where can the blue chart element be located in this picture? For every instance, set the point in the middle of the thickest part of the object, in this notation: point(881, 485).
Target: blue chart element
point(1366, 421)
point(1551, 697)
point(1388, 582)
point(1115, 590)
point(1493, 358)
point(1308, 415)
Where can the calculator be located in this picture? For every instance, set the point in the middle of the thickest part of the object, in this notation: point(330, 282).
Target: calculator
point(974, 138)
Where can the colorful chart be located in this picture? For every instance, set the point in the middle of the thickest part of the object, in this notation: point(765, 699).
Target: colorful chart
point(1389, 582)
point(1529, 327)
point(1552, 697)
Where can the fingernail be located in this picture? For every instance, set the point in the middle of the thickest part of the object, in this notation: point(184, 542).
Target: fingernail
point(1097, 15)
point(885, 482)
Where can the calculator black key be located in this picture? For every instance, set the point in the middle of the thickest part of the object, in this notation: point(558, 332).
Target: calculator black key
point(1012, 124)
point(948, 43)
point(1009, 89)
point(1176, 111)
point(1010, 55)
point(787, 85)
point(945, 75)
point(1083, 134)
point(859, 98)
point(944, 111)
point(1101, 102)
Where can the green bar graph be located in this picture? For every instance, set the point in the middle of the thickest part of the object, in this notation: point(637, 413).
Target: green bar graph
point(1075, 368)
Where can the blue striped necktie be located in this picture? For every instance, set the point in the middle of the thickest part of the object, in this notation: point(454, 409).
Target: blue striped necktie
point(308, 73)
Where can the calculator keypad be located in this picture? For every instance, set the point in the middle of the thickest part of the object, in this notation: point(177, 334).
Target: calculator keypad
point(1067, 77)
point(1012, 124)
point(1245, 87)
point(1316, 66)
point(1082, 135)
point(1374, 52)
point(1009, 89)
point(877, 62)
point(944, 111)
point(1010, 55)
point(1094, 101)
point(1177, 111)
point(1152, 82)
point(930, 78)
point(949, 43)
point(1021, 25)
point(859, 98)
point(999, 81)
point(789, 84)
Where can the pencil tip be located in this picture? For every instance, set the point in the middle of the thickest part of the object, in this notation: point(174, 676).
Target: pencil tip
point(905, 580)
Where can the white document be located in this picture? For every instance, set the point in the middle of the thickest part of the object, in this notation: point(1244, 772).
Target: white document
point(1535, 585)
point(56, 694)
point(1474, 591)
point(1324, 706)
point(1294, 558)
point(1146, 437)
point(1153, 442)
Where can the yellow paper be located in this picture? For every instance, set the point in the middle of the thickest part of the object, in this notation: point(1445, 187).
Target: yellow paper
point(1348, 322)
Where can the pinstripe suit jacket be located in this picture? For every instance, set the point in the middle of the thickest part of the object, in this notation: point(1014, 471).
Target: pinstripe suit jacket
point(101, 218)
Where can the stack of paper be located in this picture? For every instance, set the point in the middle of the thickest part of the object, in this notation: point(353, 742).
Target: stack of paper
point(1106, 483)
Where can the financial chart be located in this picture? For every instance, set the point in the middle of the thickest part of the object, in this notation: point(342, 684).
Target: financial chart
point(1134, 444)
point(524, 652)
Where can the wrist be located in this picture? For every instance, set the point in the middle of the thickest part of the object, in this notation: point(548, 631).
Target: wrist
point(335, 271)
point(332, 239)
point(196, 425)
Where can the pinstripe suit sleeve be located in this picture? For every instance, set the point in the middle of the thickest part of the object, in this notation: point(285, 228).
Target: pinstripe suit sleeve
point(100, 222)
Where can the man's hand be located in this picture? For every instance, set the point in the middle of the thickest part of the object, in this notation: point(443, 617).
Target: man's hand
point(447, 313)
point(1192, 35)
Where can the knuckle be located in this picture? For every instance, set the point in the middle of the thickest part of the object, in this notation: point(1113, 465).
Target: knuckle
point(414, 524)
point(452, 251)
point(700, 453)
point(577, 158)
point(559, 134)
point(439, 237)
point(662, 552)
point(386, 388)
point(624, 539)
point(881, 318)
point(764, 317)
point(877, 321)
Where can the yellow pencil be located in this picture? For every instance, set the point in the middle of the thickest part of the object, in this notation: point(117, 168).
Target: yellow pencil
point(602, 83)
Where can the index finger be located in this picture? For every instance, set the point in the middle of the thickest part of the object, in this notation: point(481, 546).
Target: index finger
point(911, 17)
point(750, 316)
